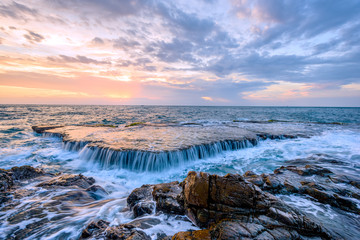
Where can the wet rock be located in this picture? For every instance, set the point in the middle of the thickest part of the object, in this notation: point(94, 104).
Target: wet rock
point(309, 170)
point(100, 230)
point(162, 236)
point(140, 200)
point(97, 192)
point(41, 129)
point(94, 228)
point(323, 196)
point(76, 196)
point(145, 223)
point(254, 178)
point(142, 208)
point(6, 181)
point(272, 183)
point(26, 172)
point(67, 180)
point(169, 198)
point(143, 193)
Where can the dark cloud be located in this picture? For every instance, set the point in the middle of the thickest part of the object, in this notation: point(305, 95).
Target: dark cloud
point(17, 11)
point(97, 41)
point(295, 20)
point(77, 59)
point(33, 37)
point(125, 43)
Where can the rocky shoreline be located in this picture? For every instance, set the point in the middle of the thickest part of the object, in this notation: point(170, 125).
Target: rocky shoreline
point(222, 207)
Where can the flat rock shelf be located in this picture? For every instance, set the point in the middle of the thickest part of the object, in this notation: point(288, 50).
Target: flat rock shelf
point(154, 147)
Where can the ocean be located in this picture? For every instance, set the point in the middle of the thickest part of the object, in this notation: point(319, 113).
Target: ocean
point(333, 133)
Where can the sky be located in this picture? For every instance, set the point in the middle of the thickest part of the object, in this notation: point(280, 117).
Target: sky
point(204, 52)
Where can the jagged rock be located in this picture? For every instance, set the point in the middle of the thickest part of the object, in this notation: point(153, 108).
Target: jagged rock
point(210, 199)
point(169, 198)
point(69, 180)
point(100, 230)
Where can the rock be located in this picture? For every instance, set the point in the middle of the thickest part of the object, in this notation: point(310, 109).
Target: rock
point(97, 192)
point(142, 208)
point(141, 201)
point(6, 181)
point(229, 202)
point(94, 228)
point(196, 189)
point(193, 235)
point(26, 172)
point(329, 197)
point(67, 180)
point(143, 193)
point(41, 129)
point(145, 223)
point(7, 177)
point(100, 230)
point(169, 198)
point(230, 230)
point(309, 170)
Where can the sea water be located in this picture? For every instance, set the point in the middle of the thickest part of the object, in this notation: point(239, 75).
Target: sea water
point(335, 133)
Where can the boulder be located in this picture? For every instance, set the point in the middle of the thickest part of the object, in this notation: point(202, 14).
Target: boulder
point(169, 198)
point(214, 200)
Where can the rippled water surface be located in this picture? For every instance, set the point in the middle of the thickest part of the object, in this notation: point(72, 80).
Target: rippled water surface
point(335, 132)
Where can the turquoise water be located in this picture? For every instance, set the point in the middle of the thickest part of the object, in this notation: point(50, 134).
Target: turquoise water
point(337, 134)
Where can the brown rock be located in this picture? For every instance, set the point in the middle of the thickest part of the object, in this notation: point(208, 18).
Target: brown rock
point(196, 189)
point(193, 235)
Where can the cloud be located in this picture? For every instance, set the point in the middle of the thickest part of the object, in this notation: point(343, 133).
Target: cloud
point(33, 37)
point(208, 99)
point(77, 59)
point(125, 43)
point(103, 8)
point(97, 41)
point(17, 11)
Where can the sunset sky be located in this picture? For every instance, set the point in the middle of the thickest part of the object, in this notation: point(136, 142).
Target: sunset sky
point(205, 52)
